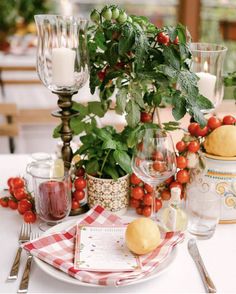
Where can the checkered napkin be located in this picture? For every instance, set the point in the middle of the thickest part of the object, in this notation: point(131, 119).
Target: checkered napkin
point(58, 250)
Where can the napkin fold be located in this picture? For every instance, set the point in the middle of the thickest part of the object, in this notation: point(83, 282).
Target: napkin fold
point(57, 249)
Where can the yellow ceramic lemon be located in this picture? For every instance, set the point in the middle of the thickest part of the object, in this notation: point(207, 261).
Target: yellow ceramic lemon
point(222, 141)
point(142, 236)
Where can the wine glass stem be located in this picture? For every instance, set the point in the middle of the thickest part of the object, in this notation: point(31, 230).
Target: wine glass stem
point(153, 212)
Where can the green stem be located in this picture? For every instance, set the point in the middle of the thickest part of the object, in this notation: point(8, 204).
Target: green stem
point(104, 161)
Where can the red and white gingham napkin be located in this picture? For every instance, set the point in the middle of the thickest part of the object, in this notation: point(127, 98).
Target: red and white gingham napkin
point(58, 250)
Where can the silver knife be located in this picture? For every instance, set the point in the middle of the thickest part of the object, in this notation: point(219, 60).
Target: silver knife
point(194, 252)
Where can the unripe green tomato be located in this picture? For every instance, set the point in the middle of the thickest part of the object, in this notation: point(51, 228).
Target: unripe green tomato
point(95, 16)
point(129, 19)
point(115, 13)
point(122, 17)
point(106, 13)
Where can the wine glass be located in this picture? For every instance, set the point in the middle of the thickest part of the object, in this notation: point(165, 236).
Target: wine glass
point(154, 159)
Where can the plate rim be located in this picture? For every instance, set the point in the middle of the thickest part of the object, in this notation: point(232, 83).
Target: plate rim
point(50, 270)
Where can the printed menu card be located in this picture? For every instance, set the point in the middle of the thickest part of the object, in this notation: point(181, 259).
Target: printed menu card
point(103, 248)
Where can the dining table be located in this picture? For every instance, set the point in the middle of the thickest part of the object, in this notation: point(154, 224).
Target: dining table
point(179, 276)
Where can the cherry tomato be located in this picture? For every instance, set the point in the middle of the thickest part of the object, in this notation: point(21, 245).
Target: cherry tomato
point(10, 182)
point(176, 184)
point(95, 16)
point(181, 146)
point(12, 204)
point(162, 38)
point(146, 117)
point(213, 122)
point(147, 211)
point(181, 161)
point(176, 40)
point(115, 12)
point(20, 193)
point(139, 210)
point(182, 176)
point(18, 183)
point(122, 17)
point(165, 194)
point(134, 179)
point(157, 155)
point(101, 75)
point(148, 188)
point(201, 132)
point(169, 180)
point(228, 120)
point(30, 217)
point(134, 203)
point(192, 128)
point(107, 13)
point(75, 204)
point(159, 166)
point(158, 204)
point(78, 195)
point(4, 201)
point(80, 172)
point(24, 205)
point(80, 183)
point(147, 199)
point(193, 146)
point(137, 193)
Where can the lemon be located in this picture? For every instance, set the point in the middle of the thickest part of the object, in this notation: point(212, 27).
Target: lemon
point(142, 236)
point(222, 141)
point(58, 168)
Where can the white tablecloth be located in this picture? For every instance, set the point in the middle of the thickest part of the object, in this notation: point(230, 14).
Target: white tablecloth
point(218, 253)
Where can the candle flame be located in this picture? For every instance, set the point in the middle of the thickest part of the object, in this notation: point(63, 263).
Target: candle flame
point(205, 66)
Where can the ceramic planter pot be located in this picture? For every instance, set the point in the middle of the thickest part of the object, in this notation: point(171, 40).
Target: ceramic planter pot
point(219, 176)
point(112, 195)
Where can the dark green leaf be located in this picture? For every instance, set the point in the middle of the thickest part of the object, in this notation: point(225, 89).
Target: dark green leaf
point(171, 57)
point(100, 39)
point(103, 134)
point(83, 110)
point(109, 144)
point(187, 81)
point(111, 171)
point(123, 159)
point(136, 94)
point(127, 38)
point(77, 125)
point(92, 166)
point(204, 103)
point(181, 33)
point(179, 109)
point(133, 113)
point(56, 131)
point(96, 108)
point(121, 98)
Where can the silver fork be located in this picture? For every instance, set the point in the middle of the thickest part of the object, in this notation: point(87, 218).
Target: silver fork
point(24, 236)
point(23, 288)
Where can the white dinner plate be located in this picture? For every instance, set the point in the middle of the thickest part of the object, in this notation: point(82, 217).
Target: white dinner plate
point(50, 270)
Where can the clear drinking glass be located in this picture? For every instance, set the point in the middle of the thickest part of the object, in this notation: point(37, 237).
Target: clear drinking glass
point(207, 63)
point(154, 159)
point(203, 213)
point(52, 191)
point(62, 55)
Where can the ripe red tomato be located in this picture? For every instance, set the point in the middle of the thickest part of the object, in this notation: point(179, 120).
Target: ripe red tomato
point(134, 203)
point(101, 75)
point(157, 155)
point(18, 183)
point(80, 172)
point(147, 199)
point(148, 188)
point(30, 217)
point(159, 166)
point(75, 204)
point(10, 182)
point(169, 180)
point(158, 204)
point(12, 204)
point(4, 201)
point(214, 122)
point(182, 176)
point(139, 210)
point(78, 195)
point(228, 120)
point(147, 211)
point(146, 117)
point(137, 193)
point(176, 184)
point(193, 146)
point(192, 128)
point(162, 38)
point(20, 193)
point(201, 132)
point(134, 179)
point(165, 194)
point(181, 146)
point(80, 183)
point(24, 205)
point(181, 161)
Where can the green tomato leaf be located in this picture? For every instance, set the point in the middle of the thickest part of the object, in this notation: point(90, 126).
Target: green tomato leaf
point(96, 108)
point(133, 113)
point(109, 144)
point(179, 109)
point(127, 38)
point(203, 102)
point(100, 39)
point(123, 159)
point(83, 110)
point(103, 134)
point(111, 171)
point(56, 131)
point(77, 125)
point(121, 98)
point(92, 166)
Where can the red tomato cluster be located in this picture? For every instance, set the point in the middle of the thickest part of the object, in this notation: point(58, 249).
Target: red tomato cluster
point(141, 197)
point(164, 39)
point(78, 194)
point(19, 199)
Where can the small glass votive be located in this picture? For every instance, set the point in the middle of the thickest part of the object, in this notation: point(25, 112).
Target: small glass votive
point(203, 213)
